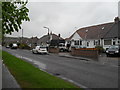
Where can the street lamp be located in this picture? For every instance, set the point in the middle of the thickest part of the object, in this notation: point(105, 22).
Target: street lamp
point(48, 35)
point(47, 28)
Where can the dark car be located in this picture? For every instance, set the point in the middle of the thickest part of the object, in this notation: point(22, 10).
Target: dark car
point(113, 50)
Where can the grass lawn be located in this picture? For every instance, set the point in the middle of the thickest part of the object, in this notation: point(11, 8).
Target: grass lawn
point(29, 76)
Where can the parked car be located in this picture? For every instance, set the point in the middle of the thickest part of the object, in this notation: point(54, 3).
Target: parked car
point(7, 46)
point(14, 46)
point(113, 50)
point(40, 49)
point(62, 47)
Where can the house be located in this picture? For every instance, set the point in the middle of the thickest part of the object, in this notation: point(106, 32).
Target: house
point(98, 35)
point(49, 39)
point(32, 42)
point(8, 40)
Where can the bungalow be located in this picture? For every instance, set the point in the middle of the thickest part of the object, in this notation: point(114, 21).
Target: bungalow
point(98, 35)
point(49, 39)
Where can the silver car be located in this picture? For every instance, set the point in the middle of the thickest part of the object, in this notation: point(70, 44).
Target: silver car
point(40, 49)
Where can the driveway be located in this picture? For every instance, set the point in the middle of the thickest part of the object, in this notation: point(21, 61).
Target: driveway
point(113, 60)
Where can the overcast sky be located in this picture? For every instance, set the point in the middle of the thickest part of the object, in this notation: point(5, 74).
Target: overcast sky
point(66, 17)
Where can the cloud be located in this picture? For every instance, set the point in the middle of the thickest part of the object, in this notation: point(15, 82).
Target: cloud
point(65, 16)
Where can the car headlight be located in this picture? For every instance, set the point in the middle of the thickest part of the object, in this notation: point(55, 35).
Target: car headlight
point(106, 51)
point(116, 51)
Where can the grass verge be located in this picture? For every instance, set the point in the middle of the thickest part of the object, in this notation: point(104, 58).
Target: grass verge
point(29, 76)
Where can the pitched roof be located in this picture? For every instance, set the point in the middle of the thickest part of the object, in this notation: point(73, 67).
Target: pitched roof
point(114, 31)
point(95, 32)
point(46, 38)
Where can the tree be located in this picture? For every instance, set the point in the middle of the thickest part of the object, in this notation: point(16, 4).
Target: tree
point(13, 14)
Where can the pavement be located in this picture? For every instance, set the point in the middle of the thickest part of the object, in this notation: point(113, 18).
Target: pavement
point(0, 73)
point(8, 81)
point(102, 59)
point(83, 73)
point(75, 57)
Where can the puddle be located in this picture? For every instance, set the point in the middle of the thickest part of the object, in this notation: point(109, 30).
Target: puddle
point(56, 74)
point(39, 64)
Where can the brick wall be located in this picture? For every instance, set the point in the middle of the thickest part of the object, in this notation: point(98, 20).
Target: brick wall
point(53, 50)
point(88, 52)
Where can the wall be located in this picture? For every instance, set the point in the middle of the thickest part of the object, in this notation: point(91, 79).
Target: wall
point(75, 37)
point(53, 50)
point(87, 53)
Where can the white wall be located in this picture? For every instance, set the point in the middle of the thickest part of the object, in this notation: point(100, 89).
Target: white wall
point(84, 44)
point(91, 43)
point(76, 37)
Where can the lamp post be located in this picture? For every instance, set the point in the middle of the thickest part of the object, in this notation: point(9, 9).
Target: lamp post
point(48, 34)
point(48, 29)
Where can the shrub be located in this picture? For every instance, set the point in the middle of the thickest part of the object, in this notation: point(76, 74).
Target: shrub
point(100, 49)
point(24, 46)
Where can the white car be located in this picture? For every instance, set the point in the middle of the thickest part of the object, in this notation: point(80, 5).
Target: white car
point(14, 46)
point(40, 49)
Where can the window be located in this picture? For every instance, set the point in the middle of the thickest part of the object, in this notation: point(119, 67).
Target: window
point(98, 42)
point(113, 42)
point(77, 42)
point(87, 43)
point(80, 42)
point(94, 42)
point(107, 42)
point(118, 42)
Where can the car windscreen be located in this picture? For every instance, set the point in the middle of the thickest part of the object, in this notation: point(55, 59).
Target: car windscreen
point(42, 47)
point(114, 47)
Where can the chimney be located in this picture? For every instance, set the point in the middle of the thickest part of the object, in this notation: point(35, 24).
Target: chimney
point(116, 20)
point(59, 36)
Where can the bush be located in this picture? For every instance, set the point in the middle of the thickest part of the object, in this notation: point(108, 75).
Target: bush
point(10, 44)
point(100, 49)
point(24, 46)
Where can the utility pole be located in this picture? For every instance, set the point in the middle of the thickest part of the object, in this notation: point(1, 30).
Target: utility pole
point(22, 35)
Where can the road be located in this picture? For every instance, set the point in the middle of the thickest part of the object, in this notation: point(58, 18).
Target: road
point(83, 73)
